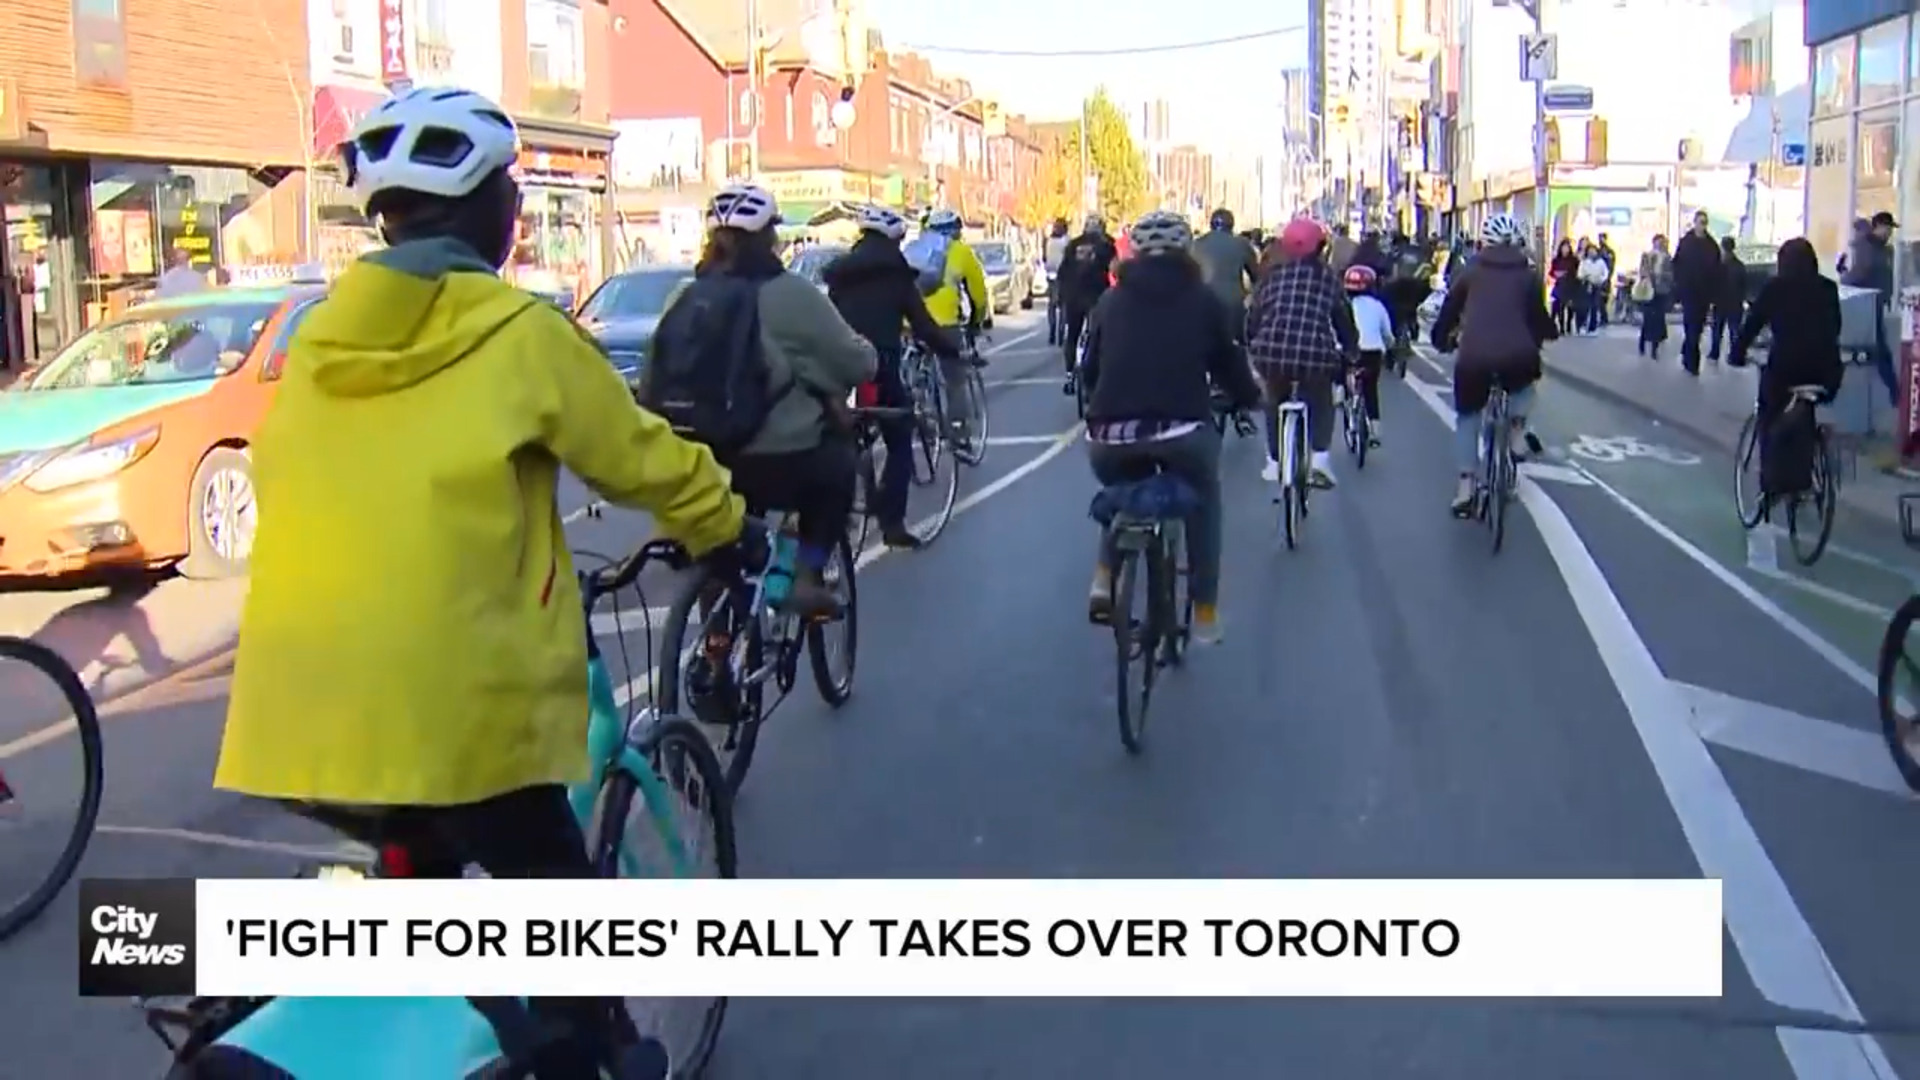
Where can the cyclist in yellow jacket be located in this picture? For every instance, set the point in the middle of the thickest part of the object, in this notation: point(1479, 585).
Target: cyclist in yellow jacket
point(411, 645)
point(960, 303)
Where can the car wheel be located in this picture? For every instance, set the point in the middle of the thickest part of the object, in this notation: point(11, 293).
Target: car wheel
point(221, 516)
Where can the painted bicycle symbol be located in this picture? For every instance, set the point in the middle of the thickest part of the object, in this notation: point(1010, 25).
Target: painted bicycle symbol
point(1611, 451)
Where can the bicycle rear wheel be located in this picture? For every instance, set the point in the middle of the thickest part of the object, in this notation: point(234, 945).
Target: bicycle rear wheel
point(836, 688)
point(1820, 499)
point(866, 488)
point(1170, 579)
point(941, 484)
point(1902, 731)
point(43, 817)
point(1302, 463)
point(1747, 499)
point(973, 449)
point(1498, 478)
point(1362, 436)
point(1349, 426)
point(1134, 653)
point(636, 832)
point(696, 679)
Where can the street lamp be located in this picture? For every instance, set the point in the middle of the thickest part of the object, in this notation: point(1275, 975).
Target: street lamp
point(842, 114)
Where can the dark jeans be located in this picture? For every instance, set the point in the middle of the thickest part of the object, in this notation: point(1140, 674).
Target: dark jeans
point(1653, 320)
point(896, 473)
point(1371, 361)
point(817, 484)
point(1195, 458)
point(1693, 322)
point(1316, 390)
point(1074, 319)
point(1725, 325)
point(529, 833)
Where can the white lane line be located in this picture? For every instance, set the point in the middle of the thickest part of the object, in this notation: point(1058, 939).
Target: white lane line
point(1793, 739)
point(631, 618)
point(345, 851)
point(1022, 440)
point(1558, 474)
point(1778, 947)
point(572, 516)
point(1033, 380)
point(640, 688)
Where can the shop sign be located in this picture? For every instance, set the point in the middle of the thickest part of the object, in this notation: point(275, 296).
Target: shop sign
point(820, 186)
point(13, 116)
point(393, 44)
point(561, 169)
point(1910, 371)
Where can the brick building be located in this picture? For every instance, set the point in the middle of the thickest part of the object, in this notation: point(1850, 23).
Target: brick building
point(690, 118)
point(166, 130)
point(121, 150)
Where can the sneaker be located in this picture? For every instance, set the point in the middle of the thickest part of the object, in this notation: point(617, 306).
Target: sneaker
point(1320, 479)
point(1373, 437)
point(810, 597)
point(1271, 473)
point(1100, 596)
point(1206, 625)
point(1518, 444)
point(1463, 498)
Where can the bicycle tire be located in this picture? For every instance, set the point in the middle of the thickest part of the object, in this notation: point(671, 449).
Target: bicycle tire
point(1747, 451)
point(1499, 464)
point(1133, 718)
point(972, 450)
point(1362, 437)
point(930, 415)
point(738, 738)
point(1895, 728)
point(1349, 427)
point(1822, 498)
point(835, 692)
point(1303, 463)
point(1163, 587)
point(929, 447)
point(86, 721)
point(866, 488)
point(617, 793)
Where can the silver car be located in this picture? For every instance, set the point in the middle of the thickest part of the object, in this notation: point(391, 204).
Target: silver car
point(624, 311)
point(1009, 278)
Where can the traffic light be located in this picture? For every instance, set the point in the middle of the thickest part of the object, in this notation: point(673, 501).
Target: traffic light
point(1342, 114)
point(1553, 141)
point(1597, 141)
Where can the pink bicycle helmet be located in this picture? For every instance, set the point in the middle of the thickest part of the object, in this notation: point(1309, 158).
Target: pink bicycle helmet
point(1301, 239)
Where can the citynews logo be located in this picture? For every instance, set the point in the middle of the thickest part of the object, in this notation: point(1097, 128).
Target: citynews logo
point(136, 937)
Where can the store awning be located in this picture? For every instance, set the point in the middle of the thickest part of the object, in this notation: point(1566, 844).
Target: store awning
point(335, 110)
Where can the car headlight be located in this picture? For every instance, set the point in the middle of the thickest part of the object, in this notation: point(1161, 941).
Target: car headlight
point(92, 461)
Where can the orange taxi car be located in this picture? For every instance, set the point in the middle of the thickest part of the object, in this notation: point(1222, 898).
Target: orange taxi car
point(128, 449)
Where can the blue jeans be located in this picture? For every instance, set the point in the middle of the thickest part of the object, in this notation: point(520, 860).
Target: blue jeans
point(1466, 430)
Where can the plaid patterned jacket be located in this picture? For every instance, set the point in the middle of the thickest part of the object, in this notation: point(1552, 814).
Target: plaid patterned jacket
point(1299, 322)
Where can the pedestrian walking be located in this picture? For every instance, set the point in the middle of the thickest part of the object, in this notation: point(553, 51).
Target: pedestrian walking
point(1595, 275)
point(1653, 291)
point(1563, 274)
point(1697, 282)
point(1732, 301)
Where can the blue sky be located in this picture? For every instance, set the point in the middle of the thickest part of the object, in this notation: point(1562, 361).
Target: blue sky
point(1225, 97)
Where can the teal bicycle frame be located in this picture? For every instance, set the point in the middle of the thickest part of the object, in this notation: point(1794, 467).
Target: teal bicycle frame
point(409, 1038)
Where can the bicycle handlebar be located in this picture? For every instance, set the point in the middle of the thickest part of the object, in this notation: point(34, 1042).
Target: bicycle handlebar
point(595, 584)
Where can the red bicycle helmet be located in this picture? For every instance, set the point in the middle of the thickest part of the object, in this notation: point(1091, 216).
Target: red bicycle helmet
point(1301, 239)
point(1359, 278)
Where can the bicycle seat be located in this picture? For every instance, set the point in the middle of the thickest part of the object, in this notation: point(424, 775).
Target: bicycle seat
point(316, 1038)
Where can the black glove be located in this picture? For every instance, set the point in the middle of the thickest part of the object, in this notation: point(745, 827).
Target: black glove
point(748, 552)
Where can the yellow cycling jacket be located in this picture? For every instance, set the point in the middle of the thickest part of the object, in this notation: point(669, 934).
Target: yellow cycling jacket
point(412, 634)
point(963, 271)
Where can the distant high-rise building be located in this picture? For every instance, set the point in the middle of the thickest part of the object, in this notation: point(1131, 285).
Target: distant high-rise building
point(1347, 42)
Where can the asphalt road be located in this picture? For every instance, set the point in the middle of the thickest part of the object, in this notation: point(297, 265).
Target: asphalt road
point(1623, 692)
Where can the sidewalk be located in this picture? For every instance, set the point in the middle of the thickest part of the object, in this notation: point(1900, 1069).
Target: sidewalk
point(1714, 405)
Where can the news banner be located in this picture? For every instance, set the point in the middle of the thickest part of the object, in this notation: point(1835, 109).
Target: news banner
point(901, 938)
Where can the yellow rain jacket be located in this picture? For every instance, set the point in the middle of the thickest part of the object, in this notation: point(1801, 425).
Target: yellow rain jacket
point(963, 273)
point(412, 634)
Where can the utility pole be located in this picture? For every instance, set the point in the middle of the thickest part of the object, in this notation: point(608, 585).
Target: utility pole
point(1542, 168)
point(756, 75)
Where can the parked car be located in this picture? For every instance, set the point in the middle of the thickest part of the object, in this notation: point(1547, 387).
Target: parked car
point(128, 450)
point(812, 262)
point(1009, 279)
point(624, 311)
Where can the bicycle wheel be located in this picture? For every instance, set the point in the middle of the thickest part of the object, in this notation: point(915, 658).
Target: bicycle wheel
point(691, 794)
point(973, 449)
point(1499, 478)
point(1289, 509)
point(1168, 578)
point(866, 487)
point(928, 514)
point(32, 814)
point(929, 414)
point(1302, 463)
point(1349, 427)
point(696, 677)
point(1134, 648)
point(834, 688)
point(1362, 436)
point(1902, 731)
point(1747, 499)
point(1820, 499)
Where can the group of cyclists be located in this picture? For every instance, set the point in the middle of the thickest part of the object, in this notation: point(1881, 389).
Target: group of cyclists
point(428, 670)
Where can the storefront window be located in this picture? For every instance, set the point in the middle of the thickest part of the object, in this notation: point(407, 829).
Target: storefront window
point(1833, 72)
point(27, 194)
point(1883, 52)
point(557, 252)
point(1829, 186)
point(148, 219)
point(1909, 262)
point(1876, 152)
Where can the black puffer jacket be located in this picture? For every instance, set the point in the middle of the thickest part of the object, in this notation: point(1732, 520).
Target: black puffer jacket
point(873, 287)
point(1156, 344)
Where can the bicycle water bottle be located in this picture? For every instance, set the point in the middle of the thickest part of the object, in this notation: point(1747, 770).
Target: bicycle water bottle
point(779, 576)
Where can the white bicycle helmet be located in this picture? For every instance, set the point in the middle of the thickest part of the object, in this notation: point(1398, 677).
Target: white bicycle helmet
point(1502, 229)
point(881, 220)
point(434, 140)
point(744, 207)
point(944, 221)
point(1160, 231)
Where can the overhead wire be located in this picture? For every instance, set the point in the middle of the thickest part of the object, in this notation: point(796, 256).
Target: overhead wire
point(1134, 50)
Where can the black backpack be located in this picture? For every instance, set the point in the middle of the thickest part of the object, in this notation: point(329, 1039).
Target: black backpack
point(708, 375)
